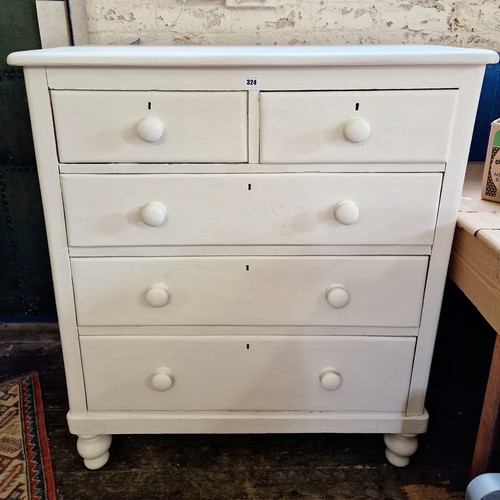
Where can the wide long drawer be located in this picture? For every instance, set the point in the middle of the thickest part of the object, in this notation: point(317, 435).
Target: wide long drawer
point(229, 373)
point(357, 126)
point(242, 209)
point(106, 126)
point(364, 291)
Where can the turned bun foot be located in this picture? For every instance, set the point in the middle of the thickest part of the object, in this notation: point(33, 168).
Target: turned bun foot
point(400, 447)
point(94, 449)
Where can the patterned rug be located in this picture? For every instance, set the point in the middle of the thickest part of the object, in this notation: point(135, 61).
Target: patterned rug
point(25, 467)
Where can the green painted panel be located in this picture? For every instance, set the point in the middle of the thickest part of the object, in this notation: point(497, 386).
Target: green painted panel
point(16, 142)
point(25, 284)
point(25, 281)
point(18, 27)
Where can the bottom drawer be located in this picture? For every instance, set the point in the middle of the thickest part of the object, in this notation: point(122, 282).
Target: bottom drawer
point(252, 373)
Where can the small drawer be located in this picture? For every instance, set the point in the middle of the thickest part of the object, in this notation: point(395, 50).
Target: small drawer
point(358, 126)
point(164, 127)
point(265, 209)
point(229, 373)
point(340, 291)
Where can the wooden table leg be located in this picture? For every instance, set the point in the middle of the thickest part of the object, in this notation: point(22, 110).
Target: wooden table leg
point(489, 425)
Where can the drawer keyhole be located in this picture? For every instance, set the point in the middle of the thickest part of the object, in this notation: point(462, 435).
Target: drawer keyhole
point(357, 106)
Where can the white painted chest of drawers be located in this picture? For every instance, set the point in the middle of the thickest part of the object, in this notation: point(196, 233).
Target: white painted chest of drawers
point(250, 239)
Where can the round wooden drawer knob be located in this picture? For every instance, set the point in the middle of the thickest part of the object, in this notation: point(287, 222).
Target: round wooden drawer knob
point(157, 295)
point(337, 296)
point(154, 213)
point(151, 129)
point(330, 378)
point(162, 379)
point(357, 129)
point(346, 212)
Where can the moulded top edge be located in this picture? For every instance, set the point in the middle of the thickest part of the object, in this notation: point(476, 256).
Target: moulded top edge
point(306, 55)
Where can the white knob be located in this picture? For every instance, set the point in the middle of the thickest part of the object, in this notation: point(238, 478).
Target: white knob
point(346, 212)
point(154, 213)
point(337, 296)
point(330, 378)
point(162, 379)
point(157, 295)
point(357, 129)
point(151, 129)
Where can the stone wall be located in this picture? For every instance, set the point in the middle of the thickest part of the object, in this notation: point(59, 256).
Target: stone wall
point(463, 23)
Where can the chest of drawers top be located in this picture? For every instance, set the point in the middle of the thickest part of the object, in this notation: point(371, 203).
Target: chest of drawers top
point(247, 56)
point(253, 68)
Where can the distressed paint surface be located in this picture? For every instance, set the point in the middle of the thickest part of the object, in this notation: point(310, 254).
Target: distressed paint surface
point(464, 23)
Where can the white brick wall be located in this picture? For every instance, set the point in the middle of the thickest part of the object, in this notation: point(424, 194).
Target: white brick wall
point(463, 23)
